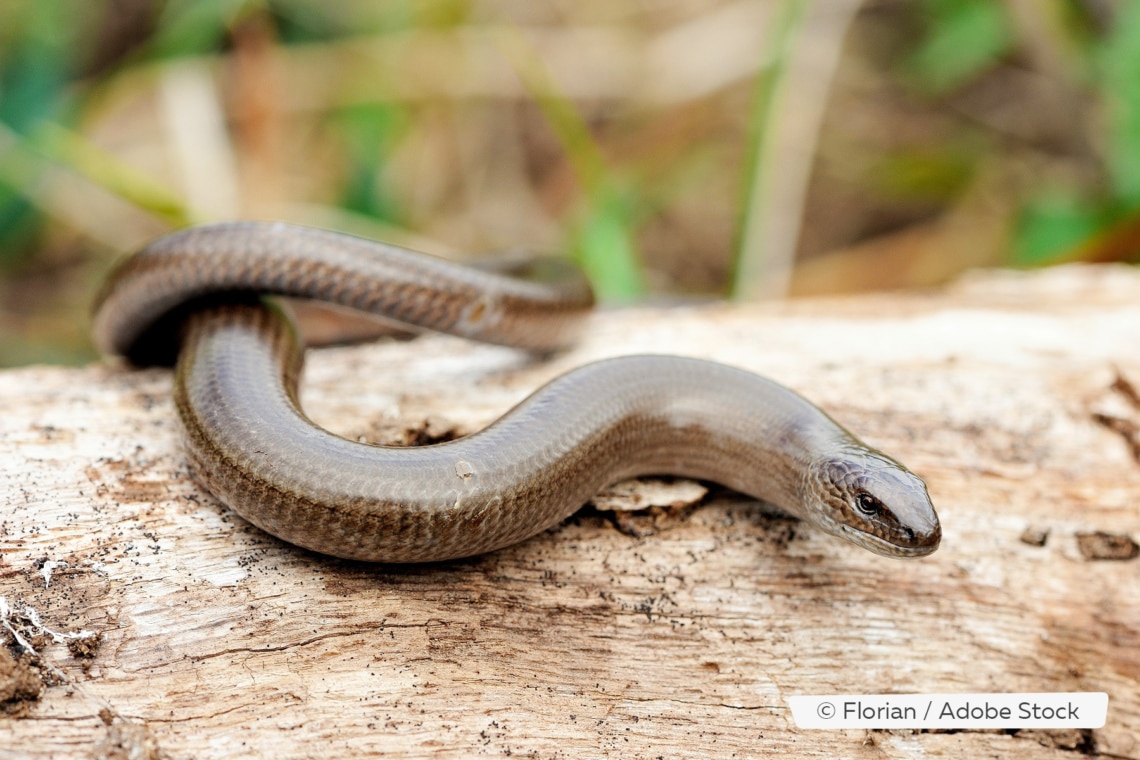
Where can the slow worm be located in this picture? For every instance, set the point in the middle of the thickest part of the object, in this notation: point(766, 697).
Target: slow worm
point(196, 294)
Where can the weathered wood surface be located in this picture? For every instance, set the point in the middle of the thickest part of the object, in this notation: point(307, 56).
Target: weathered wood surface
point(1009, 393)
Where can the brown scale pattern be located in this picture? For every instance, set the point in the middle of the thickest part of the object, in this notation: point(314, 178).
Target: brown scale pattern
point(251, 445)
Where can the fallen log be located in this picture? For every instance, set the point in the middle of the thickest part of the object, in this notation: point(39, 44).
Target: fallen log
point(143, 618)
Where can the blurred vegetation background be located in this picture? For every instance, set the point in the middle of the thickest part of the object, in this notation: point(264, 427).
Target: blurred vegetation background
point(740, 148)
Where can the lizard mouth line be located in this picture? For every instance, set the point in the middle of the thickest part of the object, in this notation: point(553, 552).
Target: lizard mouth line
point(881, 546)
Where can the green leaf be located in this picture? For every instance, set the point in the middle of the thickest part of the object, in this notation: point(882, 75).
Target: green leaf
point(35, 63)
point(750, 262)
point(1120, 82)
point(1051, 227)
point(965, 38)
point(604, 242)
point(71, 149)
point(369, 132)
point(195, 27)
point(605, 247)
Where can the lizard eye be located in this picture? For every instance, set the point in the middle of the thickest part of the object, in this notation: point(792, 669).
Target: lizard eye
point(868, 504)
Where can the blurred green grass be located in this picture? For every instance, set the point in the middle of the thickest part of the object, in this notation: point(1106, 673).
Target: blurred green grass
point(954, 134)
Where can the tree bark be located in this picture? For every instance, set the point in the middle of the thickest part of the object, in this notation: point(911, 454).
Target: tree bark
point(676, 632)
